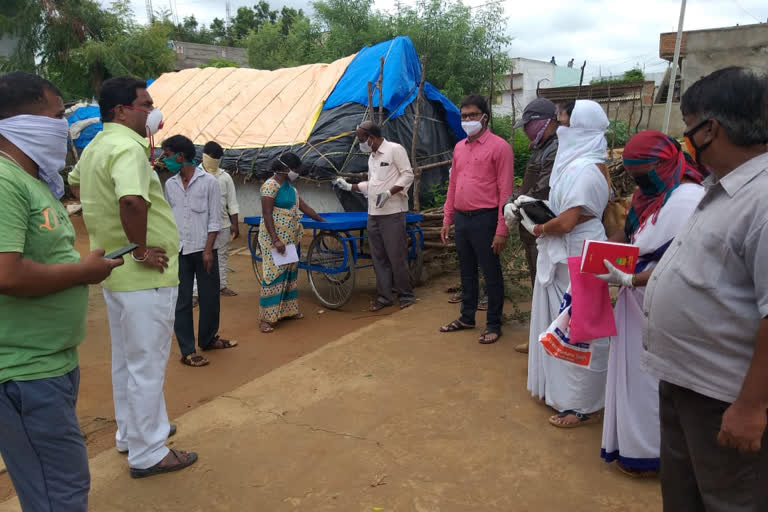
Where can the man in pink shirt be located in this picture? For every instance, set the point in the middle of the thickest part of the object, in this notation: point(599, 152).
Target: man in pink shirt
point(482, 178)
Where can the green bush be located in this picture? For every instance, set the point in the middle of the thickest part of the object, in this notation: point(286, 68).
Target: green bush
point(618, 133)
point(502, 126)
point(438, 193)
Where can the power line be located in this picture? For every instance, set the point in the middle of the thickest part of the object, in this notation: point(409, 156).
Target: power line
point(746, 11)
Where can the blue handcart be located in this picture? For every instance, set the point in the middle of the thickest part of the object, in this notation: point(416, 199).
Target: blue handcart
point(335, 252)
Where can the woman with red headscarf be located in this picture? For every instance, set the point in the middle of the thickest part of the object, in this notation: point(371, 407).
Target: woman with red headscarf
point(669, 189)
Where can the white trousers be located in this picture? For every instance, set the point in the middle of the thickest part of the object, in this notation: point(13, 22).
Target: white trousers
point(141, 324)
point(222, 246)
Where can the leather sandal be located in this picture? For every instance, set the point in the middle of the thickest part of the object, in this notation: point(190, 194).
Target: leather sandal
point(183, 460)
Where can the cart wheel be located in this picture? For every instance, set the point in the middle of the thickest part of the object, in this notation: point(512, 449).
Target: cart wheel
point(255, 248)
point(331, 277)
point(415, 258)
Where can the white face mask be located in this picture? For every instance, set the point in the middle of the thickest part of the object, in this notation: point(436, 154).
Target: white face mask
point(472, 127)
point(154, 121)
point(44, 140)
point(292, 175)
point(365, 147)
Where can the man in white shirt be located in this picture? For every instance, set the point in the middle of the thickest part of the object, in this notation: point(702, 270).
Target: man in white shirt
point(194, 197)
point(389, 177)
point(212, 153)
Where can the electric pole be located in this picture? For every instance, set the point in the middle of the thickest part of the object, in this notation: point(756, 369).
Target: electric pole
point(673, 75)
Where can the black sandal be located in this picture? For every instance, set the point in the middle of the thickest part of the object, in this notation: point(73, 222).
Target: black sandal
point(194, 360)
point(220, 343)
point(184, 459)
point(378, 306)
point(484, 337)
point(456, 325)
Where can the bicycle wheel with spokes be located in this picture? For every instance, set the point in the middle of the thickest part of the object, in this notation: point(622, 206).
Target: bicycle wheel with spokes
point(331, 269)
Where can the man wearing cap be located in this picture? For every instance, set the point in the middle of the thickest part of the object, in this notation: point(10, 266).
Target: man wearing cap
point(540, 125)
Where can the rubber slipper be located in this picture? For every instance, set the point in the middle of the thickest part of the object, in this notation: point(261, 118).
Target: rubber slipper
point(228, 293)
point(584, 419)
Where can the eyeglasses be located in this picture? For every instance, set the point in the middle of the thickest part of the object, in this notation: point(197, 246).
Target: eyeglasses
point(471, 116)
point(690, 133)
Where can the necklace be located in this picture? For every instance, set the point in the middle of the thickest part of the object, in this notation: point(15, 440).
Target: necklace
point(9, 157)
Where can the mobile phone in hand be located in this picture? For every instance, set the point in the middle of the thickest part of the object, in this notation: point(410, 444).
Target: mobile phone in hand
point(121, 252)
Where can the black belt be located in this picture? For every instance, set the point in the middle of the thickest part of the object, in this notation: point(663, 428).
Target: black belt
point(472, 213)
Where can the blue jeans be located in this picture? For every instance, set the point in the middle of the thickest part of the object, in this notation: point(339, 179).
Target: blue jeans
point(41, 443)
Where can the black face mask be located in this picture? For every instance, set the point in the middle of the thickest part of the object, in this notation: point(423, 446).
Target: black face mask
point(649, 183)
point(694, 150)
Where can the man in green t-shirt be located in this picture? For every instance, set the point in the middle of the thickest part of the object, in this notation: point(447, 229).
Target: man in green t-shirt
point(123, 203)
point(43, 300)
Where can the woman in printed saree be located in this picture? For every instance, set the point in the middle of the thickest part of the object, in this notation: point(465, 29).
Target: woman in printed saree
point(668, 192)
point(578, 195)
point(282, 210)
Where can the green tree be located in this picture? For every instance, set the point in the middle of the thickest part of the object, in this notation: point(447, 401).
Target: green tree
point(348, 25)
point(458, 42)
point(457, 39)
point(244, 22)
point(77, 43)
point(291, 41)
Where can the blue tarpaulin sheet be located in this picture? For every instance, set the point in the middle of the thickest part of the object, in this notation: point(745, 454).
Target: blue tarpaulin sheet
point(89, 132)
point(402, 73)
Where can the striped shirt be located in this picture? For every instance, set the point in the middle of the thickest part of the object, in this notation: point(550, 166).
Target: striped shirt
point(197, 209)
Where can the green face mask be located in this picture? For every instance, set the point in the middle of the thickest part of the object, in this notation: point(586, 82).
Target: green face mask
point(172, 165)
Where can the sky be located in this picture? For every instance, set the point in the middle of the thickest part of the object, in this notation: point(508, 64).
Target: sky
point(611, 35)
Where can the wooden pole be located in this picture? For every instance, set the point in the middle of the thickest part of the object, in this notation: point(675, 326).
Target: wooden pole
point(435, 164)
point(581, 80)
point(370, 100)
point(381, 93)
point(415, 139)
point(490, 98)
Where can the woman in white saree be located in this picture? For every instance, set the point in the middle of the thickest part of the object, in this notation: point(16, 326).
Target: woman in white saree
point(669, 189)
point(578, 196)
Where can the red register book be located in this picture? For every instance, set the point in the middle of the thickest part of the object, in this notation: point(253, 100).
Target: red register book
point(622, 256)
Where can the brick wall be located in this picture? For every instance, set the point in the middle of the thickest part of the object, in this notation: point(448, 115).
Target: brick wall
point(667, 45)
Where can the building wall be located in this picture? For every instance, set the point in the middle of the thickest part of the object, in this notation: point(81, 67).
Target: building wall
point(192, 55)
point(525, 78)
point(652, 117)
point(710, 50)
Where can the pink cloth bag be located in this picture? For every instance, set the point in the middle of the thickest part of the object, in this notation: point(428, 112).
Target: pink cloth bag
point(591, 310)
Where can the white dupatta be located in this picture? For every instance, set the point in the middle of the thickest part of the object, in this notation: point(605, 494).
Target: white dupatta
point(573, 180)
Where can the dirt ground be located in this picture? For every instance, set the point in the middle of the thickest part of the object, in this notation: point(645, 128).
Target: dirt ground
point(185, 387)
point(348, 411)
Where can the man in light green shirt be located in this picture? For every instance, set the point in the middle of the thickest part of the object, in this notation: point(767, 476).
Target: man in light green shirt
point(43, 300)
point(123, 203)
